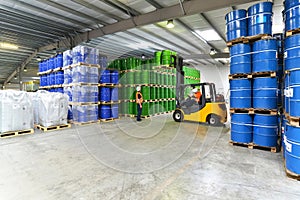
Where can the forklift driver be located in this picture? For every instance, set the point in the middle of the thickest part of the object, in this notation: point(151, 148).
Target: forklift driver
point(194, 98)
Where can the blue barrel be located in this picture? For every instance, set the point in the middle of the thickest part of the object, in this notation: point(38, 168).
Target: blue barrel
point(114, 77)
point(264, 56)
point(292, 52)
point(52, 78)
point(115, 111)
point(260, 19)
point(40, 67)
point(291, 14)
point(294, 77)
point(236, 23)
point(265, 130)
point(105, 112)
point(92, 113)
point(286, 98)
point(70, 113)
point(294, 101)
point(240, 59)
point(115, 94)
point(292, 149)
point(59, 60)
point(265, 93)
point(82, 113)
point(105, 94)
point(240, 93)
point(241, 127)
point(51, 63)
point(105, 76)
point(283, 134)
point(59, 77)
point(60, 90)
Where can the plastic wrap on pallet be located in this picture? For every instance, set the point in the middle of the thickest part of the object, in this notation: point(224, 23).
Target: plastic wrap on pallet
point(52, 108)
point(67, 58)
point(84, 54)
point(16, 111)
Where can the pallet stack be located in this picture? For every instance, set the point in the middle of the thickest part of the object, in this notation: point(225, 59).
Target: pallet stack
point(291, 118)
point(51, 74)
point(157, 83)
point(253, 79)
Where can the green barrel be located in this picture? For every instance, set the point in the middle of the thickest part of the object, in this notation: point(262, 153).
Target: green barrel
point(153, 93)
point(152, 108)
point(156, 107)
point(162, 93)
point(132, 92)
point(130, 77)
point(146, 109)
point(166, 106)
point(169, 105)
point(126, 93)
point(166, 57)
point(160, 109)
point(138, 62)
point(137, 77)
point(152, 77)
point(145, 77)
point(130, 109)
point(122, 78)
point(167, 93)
point(146, 92)
point(158, 93)
point(158, 78)
point(157, 58)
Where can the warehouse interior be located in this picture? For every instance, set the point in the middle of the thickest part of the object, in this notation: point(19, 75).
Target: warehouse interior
point(157, 158)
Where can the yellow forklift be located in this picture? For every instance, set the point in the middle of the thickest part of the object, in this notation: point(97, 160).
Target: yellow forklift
point(210, 108)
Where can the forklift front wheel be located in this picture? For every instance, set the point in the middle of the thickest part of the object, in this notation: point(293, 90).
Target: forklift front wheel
point(178, 116)
point(213, 120)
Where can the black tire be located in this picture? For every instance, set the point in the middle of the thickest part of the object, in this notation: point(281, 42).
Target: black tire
point(213, 120)
point(178, 116)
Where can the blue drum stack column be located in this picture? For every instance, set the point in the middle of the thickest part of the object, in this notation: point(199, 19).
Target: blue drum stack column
point(292, 87)
point(81, 75)
point(253, 77)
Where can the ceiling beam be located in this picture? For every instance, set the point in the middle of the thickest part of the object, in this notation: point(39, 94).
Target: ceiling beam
point(213, 26)
point(172, 12)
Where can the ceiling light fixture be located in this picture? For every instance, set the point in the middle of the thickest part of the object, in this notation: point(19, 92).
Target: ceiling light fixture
point(25, 69)
point(170, 24)
point(143, 56)
point(212, 52)
point(5, 45)
point(38, 58)
point(209, 35)
point(15, 77)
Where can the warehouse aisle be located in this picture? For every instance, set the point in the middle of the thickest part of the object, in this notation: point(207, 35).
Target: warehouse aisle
point(154, 159)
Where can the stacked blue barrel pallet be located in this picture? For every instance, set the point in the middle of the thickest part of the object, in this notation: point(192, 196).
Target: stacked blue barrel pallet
point(253, 81)
point(109, 94)
point(51, 74)
point(291, 126)
point(81, 75)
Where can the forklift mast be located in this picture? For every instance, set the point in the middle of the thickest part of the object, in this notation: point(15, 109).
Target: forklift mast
point(178, 63)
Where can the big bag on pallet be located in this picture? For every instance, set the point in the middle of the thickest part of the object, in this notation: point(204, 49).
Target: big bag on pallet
point(16, 111)
point(52, 108)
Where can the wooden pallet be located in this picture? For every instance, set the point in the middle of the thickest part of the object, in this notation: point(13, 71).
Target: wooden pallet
point(107, 120)
point(109, 102)
point(109, 85)
point(294, 121)
point(248, 39)
point(254, 111)
point(57, 69)
point(272, 149)
point(53, 128)
point(86, 123)
point(240, 110)
point(16, 133)
point(292, 175)
point(237, 76)
point(85, 64)
point(254, 146)
point(292, 32)
point(264, 74)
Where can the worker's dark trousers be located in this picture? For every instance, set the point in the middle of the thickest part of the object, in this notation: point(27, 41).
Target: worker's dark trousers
point(139, 112)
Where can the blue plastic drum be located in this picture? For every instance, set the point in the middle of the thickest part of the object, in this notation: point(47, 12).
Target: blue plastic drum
point(260, 19)
point(241, 127)
point(115, 111)
point(114, 77)
point(240, 59)
point(59, 78)
point(265, 130)
point(114, 94)
point(283, 134)
point(105, 76)
point(292, 52)
point(264, 56)
point(52, 78)
point(105, 112)
point(236, 23)
point(240, 93)
point(294, 101)
point(59, 61)
point(265, 93)
point(105, 94)
point(291, 14)
point(292, 149)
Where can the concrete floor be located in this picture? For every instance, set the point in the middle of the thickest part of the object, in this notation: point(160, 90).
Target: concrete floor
point(154, 159)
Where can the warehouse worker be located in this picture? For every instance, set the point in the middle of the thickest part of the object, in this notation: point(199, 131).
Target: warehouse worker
point(195, 97)
point(197, 94)
point(139, 101)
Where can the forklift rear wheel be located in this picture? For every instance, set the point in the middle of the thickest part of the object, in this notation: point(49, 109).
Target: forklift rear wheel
point(213, 120)
point(178, 116)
